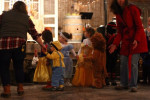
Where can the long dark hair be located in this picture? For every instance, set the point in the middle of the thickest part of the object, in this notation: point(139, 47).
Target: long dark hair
point(115, 7)
point(20, 7)
point(47, 36)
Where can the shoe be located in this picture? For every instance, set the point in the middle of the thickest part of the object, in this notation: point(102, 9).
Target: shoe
point(121, 87)
point(6, 93)
point(133, 89)
point(20, 90)
point(47, 87)
point(53, 88)
point(60, 89)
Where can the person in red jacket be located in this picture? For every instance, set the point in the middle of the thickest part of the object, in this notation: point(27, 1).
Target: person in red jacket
point(130, 33)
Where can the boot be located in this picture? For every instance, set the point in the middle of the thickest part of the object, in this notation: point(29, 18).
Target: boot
point(6, 93)
point(20, 89)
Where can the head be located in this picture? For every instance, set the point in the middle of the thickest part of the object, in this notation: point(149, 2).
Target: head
point(64, 37)
point(89, 32)
point(20, 7)
point(47, 36)
point(56, 46)
point(111, 28)
point(98, 42)
point(101, 29)
point(148, 22)
point(117, 6)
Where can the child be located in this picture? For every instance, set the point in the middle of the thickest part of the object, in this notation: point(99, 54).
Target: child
point(43, 62)
point(146, 57)
point(66, 49)
point(84, 72)
point(57, 66)
point(35, 58)
point(111, 58)
point(98, 59)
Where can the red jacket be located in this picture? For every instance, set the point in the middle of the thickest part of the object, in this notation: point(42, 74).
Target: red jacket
point(129, 27)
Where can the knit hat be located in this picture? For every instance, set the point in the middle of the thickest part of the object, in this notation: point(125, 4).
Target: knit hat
point(56, 45)
point(111, 28)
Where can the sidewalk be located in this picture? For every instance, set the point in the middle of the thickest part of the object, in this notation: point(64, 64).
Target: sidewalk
point(34, 92)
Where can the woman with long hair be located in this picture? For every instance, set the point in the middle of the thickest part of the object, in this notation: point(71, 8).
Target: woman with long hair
point(14, 25)
point(130, 33)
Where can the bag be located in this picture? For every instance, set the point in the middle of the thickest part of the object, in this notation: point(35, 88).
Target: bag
point(42, 72)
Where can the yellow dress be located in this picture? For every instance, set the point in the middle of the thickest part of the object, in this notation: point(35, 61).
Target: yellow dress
point(43, 72)
point(84, 71)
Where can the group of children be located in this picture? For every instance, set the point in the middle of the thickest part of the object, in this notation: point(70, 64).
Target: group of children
point(55, 66)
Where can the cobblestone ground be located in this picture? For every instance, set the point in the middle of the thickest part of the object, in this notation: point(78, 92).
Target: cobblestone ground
point(34, 92)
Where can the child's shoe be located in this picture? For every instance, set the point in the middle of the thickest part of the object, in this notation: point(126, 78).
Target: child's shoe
point(53, 88)
point(47, 87)
point(61, 88)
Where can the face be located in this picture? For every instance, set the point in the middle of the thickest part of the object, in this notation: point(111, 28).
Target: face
point(52, 48)
point(61, 39)
point(86, 34)
point(121, 2)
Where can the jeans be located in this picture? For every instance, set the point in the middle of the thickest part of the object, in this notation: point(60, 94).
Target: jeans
point(17, 56)
point(124, 77)
point(57, 76)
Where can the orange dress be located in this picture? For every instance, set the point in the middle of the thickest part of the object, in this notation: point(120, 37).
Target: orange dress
point(84, 71)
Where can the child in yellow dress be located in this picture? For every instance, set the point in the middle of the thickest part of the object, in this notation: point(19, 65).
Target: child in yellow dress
point(43, 69)
point(84, 71)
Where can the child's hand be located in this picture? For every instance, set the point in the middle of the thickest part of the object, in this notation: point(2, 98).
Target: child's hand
point(44, 50)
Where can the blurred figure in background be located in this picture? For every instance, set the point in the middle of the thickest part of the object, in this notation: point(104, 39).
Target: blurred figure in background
point(111, 59)
point(146, 57)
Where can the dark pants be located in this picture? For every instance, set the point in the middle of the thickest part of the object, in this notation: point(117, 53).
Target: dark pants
point(146, 73)
point(17, 57)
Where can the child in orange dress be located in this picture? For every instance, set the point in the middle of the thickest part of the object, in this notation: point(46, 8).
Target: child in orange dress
point(84, 71)
point(98, 59)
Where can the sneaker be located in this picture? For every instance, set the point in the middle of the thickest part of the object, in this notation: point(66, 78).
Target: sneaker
point(47, 87)
point(60, 89)
point(133, 89)
point(68, 84)
point(121, 87)
point(53, 89)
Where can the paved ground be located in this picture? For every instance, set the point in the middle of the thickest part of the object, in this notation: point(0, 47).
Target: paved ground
point(34, 92)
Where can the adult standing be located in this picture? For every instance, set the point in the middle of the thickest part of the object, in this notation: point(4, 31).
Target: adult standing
point(14, 25)
point(132, 38)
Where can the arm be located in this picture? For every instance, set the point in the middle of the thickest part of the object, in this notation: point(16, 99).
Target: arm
point(135, 13)
point(32, 31)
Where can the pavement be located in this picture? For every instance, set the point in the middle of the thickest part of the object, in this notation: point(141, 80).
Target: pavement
point(35, 92)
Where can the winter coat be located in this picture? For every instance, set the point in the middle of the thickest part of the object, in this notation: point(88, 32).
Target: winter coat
point(129, 27)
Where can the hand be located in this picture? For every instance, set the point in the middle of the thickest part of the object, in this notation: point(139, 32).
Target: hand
point(112, 48)
point(134, 44)
point(44, 50)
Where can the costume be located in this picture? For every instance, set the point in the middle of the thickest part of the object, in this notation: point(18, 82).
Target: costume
point(98, 59)
point(67, 60)
point(43, 71)
point(146, 61)
point(84, 71)
point(57, 66)
point(129, 28)
point(111, 59)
